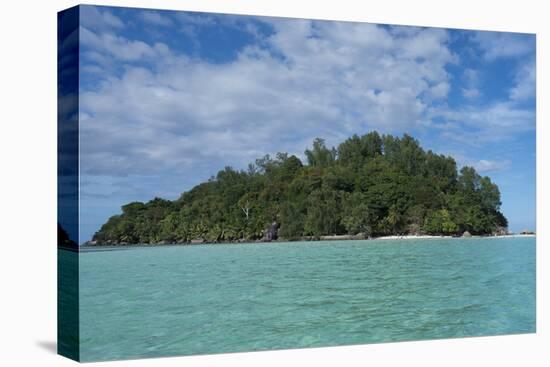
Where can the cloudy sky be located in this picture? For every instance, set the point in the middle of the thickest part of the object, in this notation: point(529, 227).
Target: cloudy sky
point(169, 98)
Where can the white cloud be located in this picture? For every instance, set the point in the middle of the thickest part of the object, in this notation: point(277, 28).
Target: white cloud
point(440, 90)
point(308, 79)
point(471, 76)
point(471, 81)
point(471, 93)
point(92, 17)
point(482, 123)
point(483, 165)
point(155, 18)
point(525, 82)
point(195, 18)
point(327, 79)
point(121, 48)
point(478, 125)
point(496, 45)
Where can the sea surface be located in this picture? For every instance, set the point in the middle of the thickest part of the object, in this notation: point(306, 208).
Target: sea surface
point(182, 300)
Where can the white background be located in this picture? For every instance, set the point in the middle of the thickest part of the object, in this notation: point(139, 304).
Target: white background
point(28, 182)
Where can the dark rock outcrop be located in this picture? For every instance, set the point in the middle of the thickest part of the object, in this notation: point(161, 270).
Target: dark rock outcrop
point(272, 232)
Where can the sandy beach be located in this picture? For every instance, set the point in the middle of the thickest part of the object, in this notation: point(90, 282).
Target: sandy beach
point(413, 237)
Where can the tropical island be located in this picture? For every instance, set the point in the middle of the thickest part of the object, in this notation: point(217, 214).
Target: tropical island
point(371, 185)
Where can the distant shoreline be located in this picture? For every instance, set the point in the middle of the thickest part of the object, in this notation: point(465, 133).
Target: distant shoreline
point(307, 239)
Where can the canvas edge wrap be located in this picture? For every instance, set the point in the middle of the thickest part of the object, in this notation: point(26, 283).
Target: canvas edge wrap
point(68, 331)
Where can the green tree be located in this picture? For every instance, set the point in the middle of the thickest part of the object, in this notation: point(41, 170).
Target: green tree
point(292, 220)
point(320, 155)
point(440, 222)
point(323, 213)
point(356, 216)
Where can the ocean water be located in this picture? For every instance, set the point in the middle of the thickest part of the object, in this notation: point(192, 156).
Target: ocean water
point(165, 301)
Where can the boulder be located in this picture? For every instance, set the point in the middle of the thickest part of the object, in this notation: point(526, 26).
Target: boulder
point(466, 234)
point(272, 232)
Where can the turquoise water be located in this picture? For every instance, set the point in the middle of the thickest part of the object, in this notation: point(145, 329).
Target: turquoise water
point(163, 301)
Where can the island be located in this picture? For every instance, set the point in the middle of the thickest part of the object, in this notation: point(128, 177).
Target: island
point(368, 186)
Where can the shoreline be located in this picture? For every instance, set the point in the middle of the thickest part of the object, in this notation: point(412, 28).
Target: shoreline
point(307, 239)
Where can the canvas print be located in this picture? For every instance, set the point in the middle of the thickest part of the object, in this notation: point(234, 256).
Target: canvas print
point(235, 183)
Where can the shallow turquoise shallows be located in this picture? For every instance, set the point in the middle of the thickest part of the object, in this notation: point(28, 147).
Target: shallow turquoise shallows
point(165, 301)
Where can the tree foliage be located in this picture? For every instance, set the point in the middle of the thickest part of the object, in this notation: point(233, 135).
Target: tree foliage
point(370, 185)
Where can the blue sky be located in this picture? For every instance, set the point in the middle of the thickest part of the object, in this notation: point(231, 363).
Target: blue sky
point(169, 98)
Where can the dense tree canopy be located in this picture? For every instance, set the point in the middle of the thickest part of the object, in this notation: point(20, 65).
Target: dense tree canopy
point(369, 185)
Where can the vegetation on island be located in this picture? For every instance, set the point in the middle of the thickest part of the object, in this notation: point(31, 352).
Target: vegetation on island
point(369, 185)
